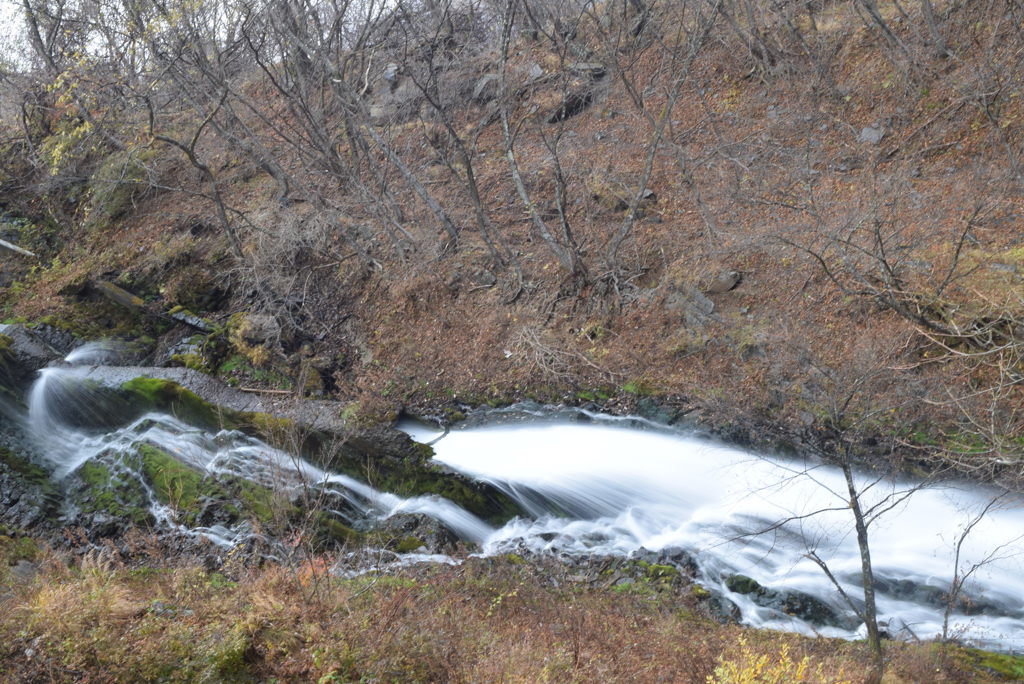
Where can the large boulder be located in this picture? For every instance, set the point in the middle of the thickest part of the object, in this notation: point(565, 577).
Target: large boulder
point(416, 532)
point(22, 353)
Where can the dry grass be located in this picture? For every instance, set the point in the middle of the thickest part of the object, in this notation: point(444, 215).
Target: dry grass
point(484, 621)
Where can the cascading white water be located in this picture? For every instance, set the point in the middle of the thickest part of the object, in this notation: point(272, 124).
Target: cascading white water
point(61, 391)
point(609, 487)
point(605, 489)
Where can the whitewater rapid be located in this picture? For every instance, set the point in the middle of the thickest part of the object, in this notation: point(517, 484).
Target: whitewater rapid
point(602, 487)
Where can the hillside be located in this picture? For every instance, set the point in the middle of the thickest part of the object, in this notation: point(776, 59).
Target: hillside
point(796, 226)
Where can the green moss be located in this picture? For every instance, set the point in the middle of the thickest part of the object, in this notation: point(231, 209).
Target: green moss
point(26, 470)
point(331, 532)
point(183, 488)
point(1004, 664)
point(112, 494)
point(238, 367)
point(638, 388)
point(408, 544)
point(174, 483)
point(660, 573)
point(15, 548)
point(409, 480)
point(172, 398)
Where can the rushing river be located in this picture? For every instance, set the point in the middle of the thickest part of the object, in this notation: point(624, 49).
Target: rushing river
point(601, 485)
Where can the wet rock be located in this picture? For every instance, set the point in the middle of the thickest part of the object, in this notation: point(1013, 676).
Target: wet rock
point(791, 602)
point(656, 412)
point(672, 556)
point(741, 584)
point(722, 609)
point(419, 532)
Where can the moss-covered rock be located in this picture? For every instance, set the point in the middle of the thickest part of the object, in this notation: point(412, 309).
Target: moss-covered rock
point(381, 456)
point(107, 492)
point(199, 498)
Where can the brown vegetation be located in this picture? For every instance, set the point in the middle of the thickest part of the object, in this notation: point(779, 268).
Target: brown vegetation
point(486, 620)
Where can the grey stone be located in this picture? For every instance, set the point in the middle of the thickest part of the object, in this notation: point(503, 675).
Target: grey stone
point(26, 354)
point(594, 70)
point(871, 134)
point(486, 88)
point(260, 328)
point(725, 281)
point(536, 71)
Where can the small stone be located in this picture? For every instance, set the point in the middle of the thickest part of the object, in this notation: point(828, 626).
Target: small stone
point(871, 134)
point(725, 281)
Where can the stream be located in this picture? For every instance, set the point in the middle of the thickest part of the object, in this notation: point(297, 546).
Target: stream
point(598, 485)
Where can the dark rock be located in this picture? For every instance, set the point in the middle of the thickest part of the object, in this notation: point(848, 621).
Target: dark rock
point(572, 104)
point(419, 531)
point(741, 584)
point(651, 409)
point(22, 353)
point(673, 556)
point(594, 70)
point(791, 602)
point(722, 609)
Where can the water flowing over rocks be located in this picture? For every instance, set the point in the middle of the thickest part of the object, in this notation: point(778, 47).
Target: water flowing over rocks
point(622, 503)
